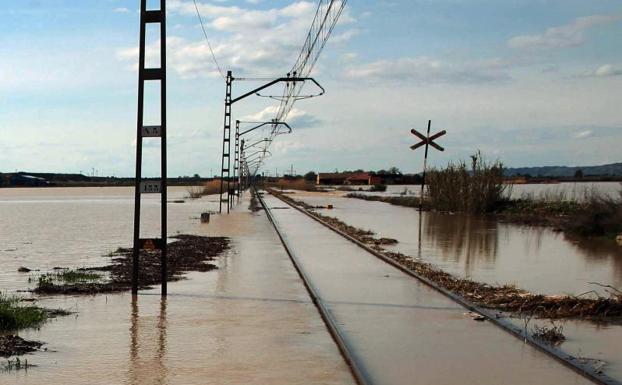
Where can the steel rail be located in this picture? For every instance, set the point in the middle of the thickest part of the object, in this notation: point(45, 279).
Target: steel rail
point(566, 359)
point(358, 371)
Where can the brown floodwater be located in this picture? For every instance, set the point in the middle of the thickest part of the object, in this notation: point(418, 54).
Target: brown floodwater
point(249, 322)
point(74, 227)
point(534, 258)
point(402, 331)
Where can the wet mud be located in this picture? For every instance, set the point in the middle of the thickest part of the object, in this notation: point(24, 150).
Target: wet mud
point(12, 345)
point(187, 253)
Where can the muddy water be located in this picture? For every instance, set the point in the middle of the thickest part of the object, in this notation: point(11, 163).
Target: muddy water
point(537, 259)
point(249, 322)
point(567, 190)
point(400, 330)
point(73, 227)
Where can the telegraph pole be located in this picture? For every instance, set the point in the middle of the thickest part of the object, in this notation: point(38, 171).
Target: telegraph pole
point(158, 131)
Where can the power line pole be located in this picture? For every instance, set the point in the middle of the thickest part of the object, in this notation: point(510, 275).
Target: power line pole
point(158, 131)
point(226, 144)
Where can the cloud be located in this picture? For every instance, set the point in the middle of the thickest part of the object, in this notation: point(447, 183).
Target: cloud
point(253, 42)
point(121, 10)
point(425, 70)
point(568, 35)
point(583, 134)
point(297, 118)
point(608, 70)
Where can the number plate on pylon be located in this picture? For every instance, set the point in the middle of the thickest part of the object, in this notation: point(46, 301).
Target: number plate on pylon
point(151, 187)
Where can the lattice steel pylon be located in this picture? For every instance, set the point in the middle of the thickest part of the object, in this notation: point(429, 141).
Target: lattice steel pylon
point(236, 164)
point(226, 146)
point(157, 131)
point(225, 176)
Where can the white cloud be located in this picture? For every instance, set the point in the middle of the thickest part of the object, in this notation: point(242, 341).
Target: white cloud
point(583, 134)
point(608, 70)
point(429, 70)
point(121, 10)
point(345, 36)
point(568, 35)
point(247, 41)
point(297, 118)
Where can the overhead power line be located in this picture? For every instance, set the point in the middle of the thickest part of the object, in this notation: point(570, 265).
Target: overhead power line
point(209, 45)
point(326, 16)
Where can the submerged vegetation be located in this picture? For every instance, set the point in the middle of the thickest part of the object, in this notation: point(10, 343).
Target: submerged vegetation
point(14, 315)
point(456, 188)
point(553, 335)
point(481, 190)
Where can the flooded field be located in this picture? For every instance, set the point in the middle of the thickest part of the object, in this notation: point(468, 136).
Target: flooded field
point(209, 330)
point(567, 190)
point(75, 227)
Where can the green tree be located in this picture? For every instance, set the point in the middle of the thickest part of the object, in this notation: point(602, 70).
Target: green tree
point(311, 176)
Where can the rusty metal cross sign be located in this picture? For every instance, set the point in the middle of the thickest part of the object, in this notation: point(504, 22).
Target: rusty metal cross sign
point(426, 140)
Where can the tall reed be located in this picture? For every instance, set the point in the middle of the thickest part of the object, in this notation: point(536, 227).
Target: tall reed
point(456, 188)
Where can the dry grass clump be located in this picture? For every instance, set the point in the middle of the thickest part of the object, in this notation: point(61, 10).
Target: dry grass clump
point(213, 187)
point(552, 335)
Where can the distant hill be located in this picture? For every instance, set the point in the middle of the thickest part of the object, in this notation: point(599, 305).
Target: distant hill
point(613, 169)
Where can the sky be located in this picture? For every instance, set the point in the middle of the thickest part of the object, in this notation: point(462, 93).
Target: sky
point(527, 82)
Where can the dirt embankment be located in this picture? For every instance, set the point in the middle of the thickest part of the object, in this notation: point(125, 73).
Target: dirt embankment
point(187, 253)
point(503, 298)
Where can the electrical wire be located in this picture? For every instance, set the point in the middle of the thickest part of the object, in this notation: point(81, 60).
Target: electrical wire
point(207, 40)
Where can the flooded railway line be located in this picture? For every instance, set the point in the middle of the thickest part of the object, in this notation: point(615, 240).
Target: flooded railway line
point(360, 365)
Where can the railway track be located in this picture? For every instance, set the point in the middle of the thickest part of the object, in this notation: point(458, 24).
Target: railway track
point(579, 366)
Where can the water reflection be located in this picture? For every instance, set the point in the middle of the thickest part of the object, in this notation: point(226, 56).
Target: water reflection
point(536, 258)
point(600, 251)
point(147, 350)
point(463, 239)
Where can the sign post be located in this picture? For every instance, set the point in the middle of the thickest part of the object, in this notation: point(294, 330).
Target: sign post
point(426, 140)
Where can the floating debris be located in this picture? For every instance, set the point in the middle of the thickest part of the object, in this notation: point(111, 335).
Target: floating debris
point(12, 345)
point(187, 253)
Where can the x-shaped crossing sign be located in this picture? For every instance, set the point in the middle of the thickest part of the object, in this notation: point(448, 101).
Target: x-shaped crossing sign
point(427, 140)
